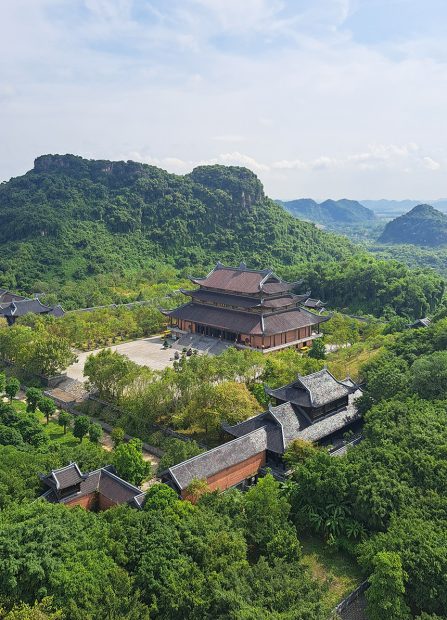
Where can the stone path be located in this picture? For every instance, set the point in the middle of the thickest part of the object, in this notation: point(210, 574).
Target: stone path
point(145, 352)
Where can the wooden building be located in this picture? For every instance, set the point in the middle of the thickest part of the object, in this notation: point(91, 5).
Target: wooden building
point(252, 309)
point(14, 306)
point(96, 490)
point(314, 408)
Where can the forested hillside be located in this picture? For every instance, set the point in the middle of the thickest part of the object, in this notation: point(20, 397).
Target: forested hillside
point(330, 212)
point(76, 218)
point(89, 232)
point(423, 225)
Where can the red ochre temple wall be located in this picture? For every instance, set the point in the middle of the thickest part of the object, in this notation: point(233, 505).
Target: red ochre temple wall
point(235, 474)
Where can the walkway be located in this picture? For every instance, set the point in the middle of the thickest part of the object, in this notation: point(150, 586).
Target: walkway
point(145, 352)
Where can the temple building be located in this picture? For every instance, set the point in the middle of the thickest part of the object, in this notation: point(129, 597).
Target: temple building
point(13, 306)
point(315, 408)
point(95, 490)
point(252, 309)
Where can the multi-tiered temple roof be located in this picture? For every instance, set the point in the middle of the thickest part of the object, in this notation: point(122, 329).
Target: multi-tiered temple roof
point(315, 408)
point(252, 308)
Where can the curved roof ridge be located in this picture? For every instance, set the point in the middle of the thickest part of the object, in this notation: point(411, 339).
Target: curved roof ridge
point(271, 408)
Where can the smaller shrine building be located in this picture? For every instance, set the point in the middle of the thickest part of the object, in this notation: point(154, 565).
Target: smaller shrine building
point(96, 490)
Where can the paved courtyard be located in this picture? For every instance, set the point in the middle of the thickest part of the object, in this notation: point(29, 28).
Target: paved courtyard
point(146, 352)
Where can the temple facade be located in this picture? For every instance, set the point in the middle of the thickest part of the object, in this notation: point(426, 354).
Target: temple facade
point(314, 408)
point(252, 309)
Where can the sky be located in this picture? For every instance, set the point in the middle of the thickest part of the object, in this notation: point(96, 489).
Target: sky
point(320, 98)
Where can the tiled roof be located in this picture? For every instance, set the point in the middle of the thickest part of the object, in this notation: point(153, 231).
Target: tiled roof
point(245, 322)
point(243, 280)
point(6, 296)
point(230, 320)
point(103, 481)
point(315, 390)
point(323, 387)
point(283, 301)
point(240, 301)
point(223, 298)
point(333, 422)
point(236, 279)
point(115, 488)
point(57, 311)
point(275, 442)
point(247, 426)
point(313, 303)
point(291, 425)
point(216, 460)
point(421, 323)
point(64, 477)
point(289, 320)
point(22, 307)
point(278, 287)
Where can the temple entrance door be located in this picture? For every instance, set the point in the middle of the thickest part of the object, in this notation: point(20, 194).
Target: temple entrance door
point(214, 332)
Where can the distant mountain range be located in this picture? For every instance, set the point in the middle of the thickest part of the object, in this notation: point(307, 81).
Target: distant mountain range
point(330, 212)
point(386, 207)
point(423, 225)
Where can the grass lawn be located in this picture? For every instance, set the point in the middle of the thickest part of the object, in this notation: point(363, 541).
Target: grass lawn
point(348, 361)
point(338, 570)
point(52, 429)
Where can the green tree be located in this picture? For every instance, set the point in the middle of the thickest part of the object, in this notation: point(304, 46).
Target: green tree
point(318, 349)
point(41, 610)
point(298, 451)
point(10, 436)
point(81, 426)
point(95, 433)
point(12, 388)
point(2, 382)
point(129, 462)
point(49, 355)
point(428, 375)
point(117, 435)
point(64, 419)
point(109, 372)
point(33, 395)
point(47, 407)
point(175, 451)
point(266, 511)
point(385, 595)
point(195, 489)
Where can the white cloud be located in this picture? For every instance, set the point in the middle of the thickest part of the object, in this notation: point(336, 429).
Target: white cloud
point(237, 159)
point(431, 164)
point(281, 87)
point(378, 156)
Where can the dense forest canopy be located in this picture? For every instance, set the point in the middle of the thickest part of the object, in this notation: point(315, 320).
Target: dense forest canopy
point(89, 232)
point(76, 218)
point(423, 226)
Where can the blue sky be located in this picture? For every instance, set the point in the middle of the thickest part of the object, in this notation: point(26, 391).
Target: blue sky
point(321, 98)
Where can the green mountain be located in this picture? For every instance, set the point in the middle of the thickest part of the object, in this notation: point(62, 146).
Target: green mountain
point(96, 232)
point(70, 218)
point(423, 225)
point(330, 212)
